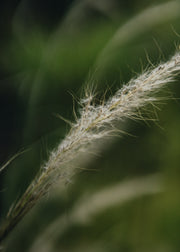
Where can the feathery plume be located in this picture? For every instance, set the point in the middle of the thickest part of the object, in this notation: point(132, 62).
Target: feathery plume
point(90, 205)
point(95, 122)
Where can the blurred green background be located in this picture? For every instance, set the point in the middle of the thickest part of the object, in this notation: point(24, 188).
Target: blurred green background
point(49, 51)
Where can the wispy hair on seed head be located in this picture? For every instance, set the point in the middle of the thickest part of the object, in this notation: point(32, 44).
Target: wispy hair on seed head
point(95, 122)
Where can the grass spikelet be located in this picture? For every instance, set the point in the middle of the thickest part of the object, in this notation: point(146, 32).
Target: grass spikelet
point(95, 122)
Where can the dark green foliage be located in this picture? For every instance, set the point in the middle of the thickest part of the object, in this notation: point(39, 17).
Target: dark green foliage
point(44, 66)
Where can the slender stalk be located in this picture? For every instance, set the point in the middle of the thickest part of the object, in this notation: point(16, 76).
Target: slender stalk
point(137, 25)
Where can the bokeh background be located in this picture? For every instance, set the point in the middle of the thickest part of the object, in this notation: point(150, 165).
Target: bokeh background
point(49, 51)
